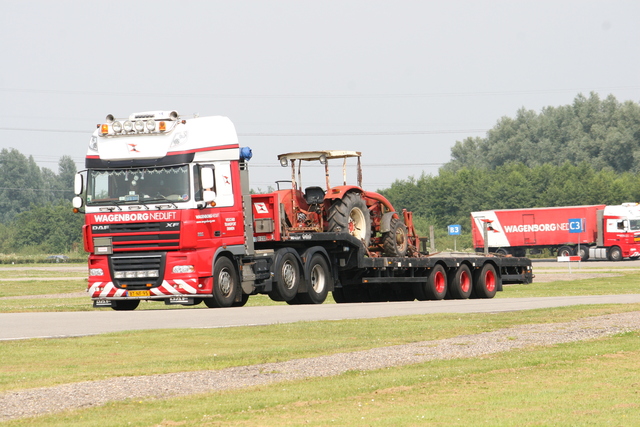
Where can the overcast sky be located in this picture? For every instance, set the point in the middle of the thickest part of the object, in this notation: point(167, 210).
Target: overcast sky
point(401, 81)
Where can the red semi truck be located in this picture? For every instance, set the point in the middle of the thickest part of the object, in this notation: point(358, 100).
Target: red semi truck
point(591, 232)
point(169, 217)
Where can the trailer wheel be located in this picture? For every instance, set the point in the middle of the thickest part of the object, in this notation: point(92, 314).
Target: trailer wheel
point(436, 285)
point(318, 287)
point(461, 283)
point(565, 251)
point(287, 278)
point(225, 284)
point(615, 254)
point(395, 242)
point(486, 282)
point(126, 305)
point(351, 215)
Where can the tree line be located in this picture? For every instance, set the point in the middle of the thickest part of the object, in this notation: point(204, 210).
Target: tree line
point(602, 133)
point(35, 206)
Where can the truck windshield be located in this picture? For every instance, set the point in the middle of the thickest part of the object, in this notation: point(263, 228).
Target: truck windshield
point(634, 224)
point(141, 185)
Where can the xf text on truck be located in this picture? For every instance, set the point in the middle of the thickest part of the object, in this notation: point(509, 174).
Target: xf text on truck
point(169, 216)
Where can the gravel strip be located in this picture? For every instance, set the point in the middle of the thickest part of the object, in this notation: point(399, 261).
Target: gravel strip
point(94, 393)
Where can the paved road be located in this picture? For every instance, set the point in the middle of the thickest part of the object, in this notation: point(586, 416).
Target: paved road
point(68, 324)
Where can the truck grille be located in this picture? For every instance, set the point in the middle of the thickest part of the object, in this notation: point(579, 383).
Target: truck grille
point(137, 263)
point(141, 236)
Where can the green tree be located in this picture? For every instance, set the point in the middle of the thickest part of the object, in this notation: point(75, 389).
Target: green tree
point(20, 183)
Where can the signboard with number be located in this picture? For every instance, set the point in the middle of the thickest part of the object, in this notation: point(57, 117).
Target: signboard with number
point(455, 230)
point(576, 225)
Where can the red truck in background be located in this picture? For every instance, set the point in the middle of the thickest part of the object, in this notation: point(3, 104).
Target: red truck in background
point(169, 217)
point(591, 232)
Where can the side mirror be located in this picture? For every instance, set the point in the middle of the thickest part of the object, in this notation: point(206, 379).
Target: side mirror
point(77, 202)
point(78, 184)
point(206, 178)
point(208, 196)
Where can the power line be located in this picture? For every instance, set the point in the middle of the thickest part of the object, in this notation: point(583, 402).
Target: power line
point(317, 96)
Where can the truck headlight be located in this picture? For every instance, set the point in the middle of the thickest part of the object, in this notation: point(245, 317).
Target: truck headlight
point(96, 272)
point(180, 269)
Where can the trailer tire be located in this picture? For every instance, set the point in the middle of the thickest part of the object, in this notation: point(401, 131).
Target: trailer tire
point(565, 251)
point(126, 305)
point(615, 254)
point(225, 284)
point(435, 288)
point(396, 241)
point(287, 278)
point(461, 283)
point(319, 276)
point(486, 282)
point(351, 215)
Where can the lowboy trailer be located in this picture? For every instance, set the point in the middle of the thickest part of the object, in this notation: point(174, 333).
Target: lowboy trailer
point(169, 216)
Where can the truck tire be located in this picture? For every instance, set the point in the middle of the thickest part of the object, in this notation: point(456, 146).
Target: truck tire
point(615, 254)
point(351, 215)
point(485, 282)
point(126, 305)
point(583, 252)
point(395, 242)
point(435, 288)
point(565, 251)
point(225, 284)
point(461, 283)
point(287, 278)
point(319, 276)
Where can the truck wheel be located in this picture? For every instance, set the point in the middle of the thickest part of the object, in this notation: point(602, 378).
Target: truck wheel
point(351, 215)
point(486, 282)
point(395, 242)
point(565, 251)
point(126, 305)
point(615, 254)
point(318, 286)
point(287, 278)
point(502, 251)
point(461, 283)
point(225, 284)
point(436, 285)
point(583, 253)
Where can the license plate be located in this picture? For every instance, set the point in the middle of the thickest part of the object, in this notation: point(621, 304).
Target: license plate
point(102, 303)
point(139, 293)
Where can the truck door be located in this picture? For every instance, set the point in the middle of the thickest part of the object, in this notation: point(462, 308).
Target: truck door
point(529, 234)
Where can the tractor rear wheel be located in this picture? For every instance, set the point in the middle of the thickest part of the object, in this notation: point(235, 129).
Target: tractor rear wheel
point(351, 215)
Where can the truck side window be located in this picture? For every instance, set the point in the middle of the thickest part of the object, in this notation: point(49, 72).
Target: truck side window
point(197, 184)
point(621, 225)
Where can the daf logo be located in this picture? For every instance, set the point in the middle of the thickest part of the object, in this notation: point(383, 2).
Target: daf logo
point(100, 227)
point(172, 224)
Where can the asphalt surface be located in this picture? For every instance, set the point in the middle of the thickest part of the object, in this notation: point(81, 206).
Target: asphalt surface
point(69, 324)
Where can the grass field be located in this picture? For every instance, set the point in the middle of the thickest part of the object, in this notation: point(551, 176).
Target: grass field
point(584, 383)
